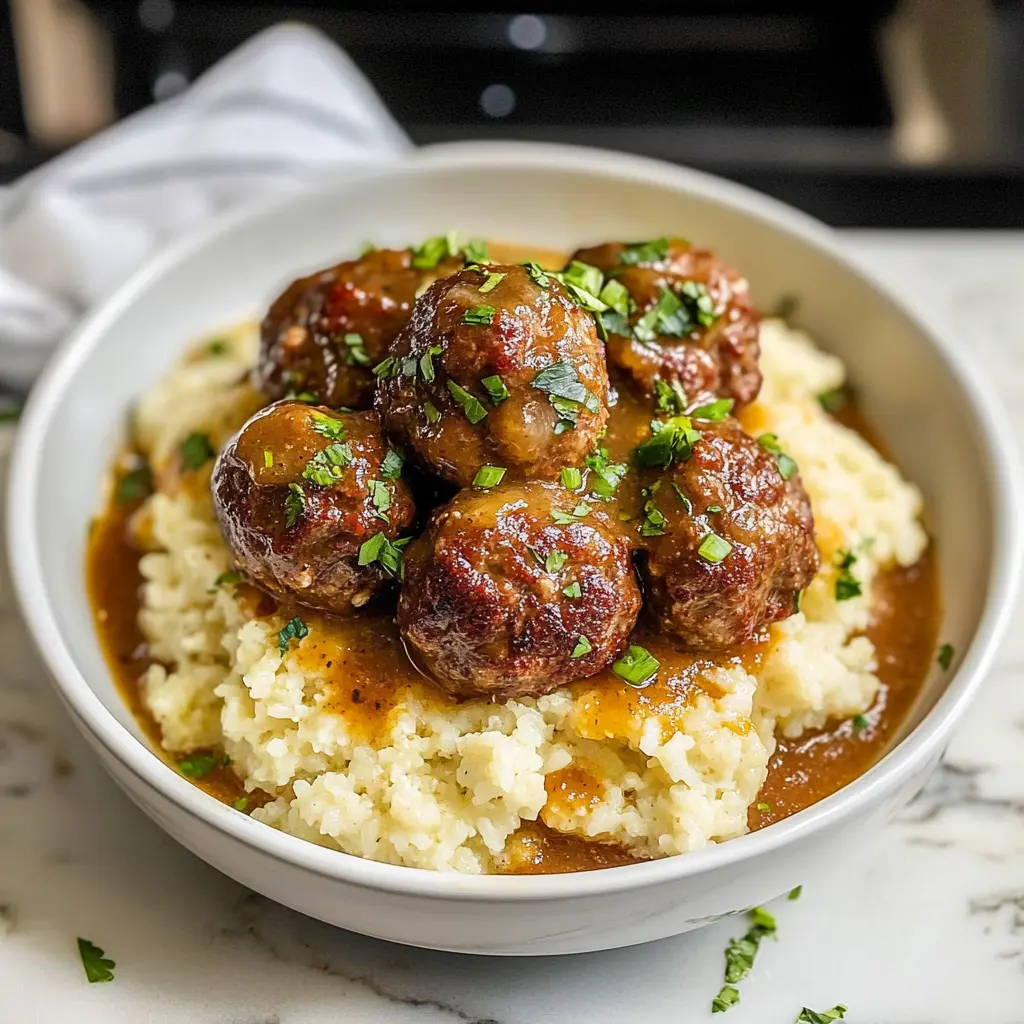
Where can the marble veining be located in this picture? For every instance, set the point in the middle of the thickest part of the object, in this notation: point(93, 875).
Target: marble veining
point(926, 928)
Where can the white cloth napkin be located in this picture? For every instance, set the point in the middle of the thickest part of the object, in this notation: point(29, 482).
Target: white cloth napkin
point(283, 108)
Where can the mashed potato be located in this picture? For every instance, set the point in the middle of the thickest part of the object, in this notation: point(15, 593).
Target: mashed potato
point(444, 786)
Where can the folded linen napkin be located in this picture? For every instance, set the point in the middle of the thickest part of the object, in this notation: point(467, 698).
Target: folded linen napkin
point(283, 108)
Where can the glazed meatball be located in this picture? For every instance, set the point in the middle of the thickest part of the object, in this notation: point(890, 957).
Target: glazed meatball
point(689, 319)
point(325, 333)
point(299, 491)
point(730, 537)
point(516, 591)
point(497, 366)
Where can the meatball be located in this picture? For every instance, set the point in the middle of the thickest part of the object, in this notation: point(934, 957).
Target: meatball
point(497, 366)
point(325, 332)
point(729, 533)
point(299, 493)
point(516, 591)
point(688, 319)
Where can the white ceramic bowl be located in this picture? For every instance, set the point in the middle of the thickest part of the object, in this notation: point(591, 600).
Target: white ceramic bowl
point(915, 387)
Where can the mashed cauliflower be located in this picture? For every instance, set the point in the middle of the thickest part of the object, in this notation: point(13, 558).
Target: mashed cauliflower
point(445, 785)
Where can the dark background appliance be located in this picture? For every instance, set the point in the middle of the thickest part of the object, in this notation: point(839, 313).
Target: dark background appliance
point(811, 102)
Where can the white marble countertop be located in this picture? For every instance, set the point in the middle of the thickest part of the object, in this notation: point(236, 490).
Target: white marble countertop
point(927, 929)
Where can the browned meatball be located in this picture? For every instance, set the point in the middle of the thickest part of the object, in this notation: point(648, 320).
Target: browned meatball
point(728, 533)
point(325, 332)
point(516, 591)
point(689, 319)
point(497, 366)
point(300, 493)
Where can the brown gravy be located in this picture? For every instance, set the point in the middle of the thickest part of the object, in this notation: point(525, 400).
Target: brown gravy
point(366, 670)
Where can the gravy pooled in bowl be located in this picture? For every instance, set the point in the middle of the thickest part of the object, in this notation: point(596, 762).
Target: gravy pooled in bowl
point(536, 706)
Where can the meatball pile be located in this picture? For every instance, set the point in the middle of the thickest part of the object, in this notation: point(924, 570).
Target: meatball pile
point(488, 384)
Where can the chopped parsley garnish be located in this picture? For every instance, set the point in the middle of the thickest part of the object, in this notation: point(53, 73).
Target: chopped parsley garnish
point(787, 465)
point(583, 646)
point(134, 485)
point(573, 590)
point(834, 399)
point(713, 412)
point(727, 996)
point(698, 302)
point(326, 466)
point(654, 520)
point(571, 478)
point(945, 658)
point(860, 723)
point(794, 894)
point(670, 439)
point(662, 318)
point(481, 316)
point(471, 405)
point(433, 250)
point(555, 561)
point(492, 281)
point(764, 808)
point(231, 577)
point(427, 362)
point(431, 412)
point(740, 953)
point(488, 476)
point(495, 388)
point(381, 497)
point(713, 509)
point(671, 398)
point(687, 504)
point(217, 347)
point(583, 283)
point(475, 250)
point(391, 465)
point(294, 505)
point(366, 248)
point(564, 518)
point(615, 295)
point(387, 555)
point(605, 476)
point(194, 451)
point(675, 315)
point(797, 599)
point(406, 367)
point(327, 426)
point(241, 804)
point(637, 666)
point(538, 275)
point(566, 392)
point(847, 585)
point(98, 967)
point(838, 1012)
point(786, 306)
point(644, 252)
point(268, 458)
point(384, 367)
point(356, 355)
point(585, 276)
point(714, 548)
point(294, 629)
point(198, 766)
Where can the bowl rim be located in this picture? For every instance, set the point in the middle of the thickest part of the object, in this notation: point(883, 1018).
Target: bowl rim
point(900, 764)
